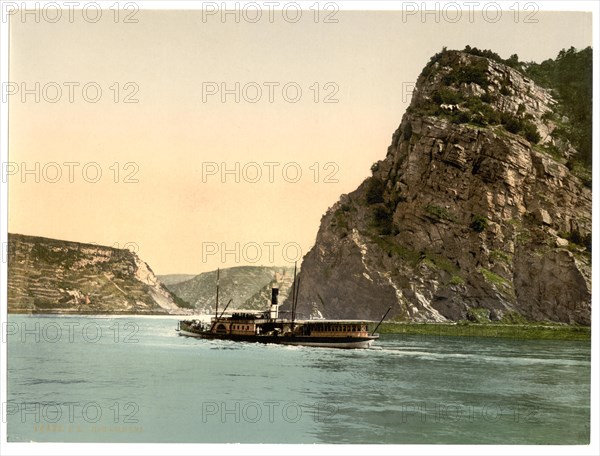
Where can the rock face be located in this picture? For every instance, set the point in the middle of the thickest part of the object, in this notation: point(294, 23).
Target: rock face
point(53, 276)
point(461, 213)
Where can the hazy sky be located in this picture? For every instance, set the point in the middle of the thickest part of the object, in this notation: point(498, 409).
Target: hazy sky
point(174, 213)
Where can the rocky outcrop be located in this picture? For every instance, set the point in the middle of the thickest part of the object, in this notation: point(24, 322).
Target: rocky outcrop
point(472, 207)
point(54, 276)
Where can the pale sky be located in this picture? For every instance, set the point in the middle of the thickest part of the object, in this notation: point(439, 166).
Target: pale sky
point(170, 214)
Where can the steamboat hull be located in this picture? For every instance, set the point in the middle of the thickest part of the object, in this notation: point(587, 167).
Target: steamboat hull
point(308, 341)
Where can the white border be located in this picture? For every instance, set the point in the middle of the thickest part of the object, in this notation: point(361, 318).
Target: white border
point(4, 47)
point(189, 449)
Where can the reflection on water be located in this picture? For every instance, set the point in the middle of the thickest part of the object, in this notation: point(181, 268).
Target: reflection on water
point(154, 386)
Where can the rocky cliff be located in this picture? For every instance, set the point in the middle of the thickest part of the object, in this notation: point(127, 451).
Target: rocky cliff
point(473, 210)
point(54, 276)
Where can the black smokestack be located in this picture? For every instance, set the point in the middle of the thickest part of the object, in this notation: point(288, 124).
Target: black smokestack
point(274, 294)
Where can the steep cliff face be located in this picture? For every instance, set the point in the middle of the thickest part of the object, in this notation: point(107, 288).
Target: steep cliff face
point(53, 276)
point(473, 207)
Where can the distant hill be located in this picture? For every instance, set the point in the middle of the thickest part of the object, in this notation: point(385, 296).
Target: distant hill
point(262, 297)
point(171, 279)
point(248, 286)
point(54, 276)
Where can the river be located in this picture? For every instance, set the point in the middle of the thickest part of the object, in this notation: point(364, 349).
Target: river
point(133, 379)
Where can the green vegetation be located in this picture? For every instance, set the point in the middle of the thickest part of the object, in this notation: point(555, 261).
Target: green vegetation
point(181, 302)
point(442, 263)
point(513, 318)
point(375, 190)
point(478, 112)
point(512, 61)
point(582, 171)
point(340, 220)
point(478, 223)
point(380, 211)
point(439, 213)
point(457, 280)
point(551, 150)
point(492, 277)
point(569, 76)
point(389, 246)
point(474, 73)
point(447, 96)
point(578, 240)
point(499, 255)
point(478, 315)
point(383, 220)
point(547, 331)
point(483, 113)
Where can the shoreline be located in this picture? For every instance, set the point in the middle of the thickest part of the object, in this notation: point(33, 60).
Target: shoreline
point(530, 331)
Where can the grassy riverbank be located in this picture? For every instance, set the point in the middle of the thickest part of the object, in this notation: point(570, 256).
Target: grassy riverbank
point(509, 331)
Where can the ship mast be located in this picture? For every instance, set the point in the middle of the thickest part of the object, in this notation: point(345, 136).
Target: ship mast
point(381, 321)
point(217, 300)
point(294, 297)
point(219, 317)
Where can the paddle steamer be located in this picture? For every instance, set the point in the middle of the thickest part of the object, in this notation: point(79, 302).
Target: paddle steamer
point(267, 327)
